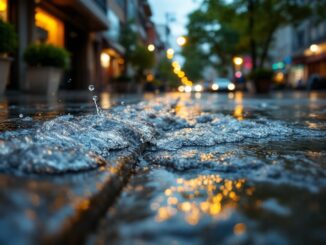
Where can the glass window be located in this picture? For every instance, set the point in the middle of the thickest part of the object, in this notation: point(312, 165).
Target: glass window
point(4, 9)
point(49, 29)
point(114, 29)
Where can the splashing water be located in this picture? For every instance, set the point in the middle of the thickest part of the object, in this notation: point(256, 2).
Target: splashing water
point(98, 110)
point(91, 88)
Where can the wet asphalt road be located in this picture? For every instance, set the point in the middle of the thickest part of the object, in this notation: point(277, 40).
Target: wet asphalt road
point(222, 168)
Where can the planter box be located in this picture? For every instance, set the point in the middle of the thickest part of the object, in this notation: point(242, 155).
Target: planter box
point(263, 86)
point(4, 73)
point(43, 80)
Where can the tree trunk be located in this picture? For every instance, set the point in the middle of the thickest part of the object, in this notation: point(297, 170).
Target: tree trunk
point(266, 49)
point(251, 10)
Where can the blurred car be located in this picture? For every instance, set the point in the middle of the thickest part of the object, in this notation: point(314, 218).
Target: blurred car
point(222, 84)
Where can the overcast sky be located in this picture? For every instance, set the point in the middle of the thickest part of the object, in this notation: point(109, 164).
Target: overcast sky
point(178, 8)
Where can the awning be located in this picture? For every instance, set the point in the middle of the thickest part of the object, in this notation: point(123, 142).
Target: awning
point(93, 13)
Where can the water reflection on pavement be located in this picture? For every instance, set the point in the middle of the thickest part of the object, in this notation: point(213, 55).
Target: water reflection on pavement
point(258, 191)
point(217, 168)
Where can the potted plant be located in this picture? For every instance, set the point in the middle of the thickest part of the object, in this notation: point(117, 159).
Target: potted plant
point(8, 43)
point(46, 65)
point(263, 79)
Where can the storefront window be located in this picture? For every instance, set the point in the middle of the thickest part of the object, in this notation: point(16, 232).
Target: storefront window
point(114, 30)
point(49, 29)
point(4, 10)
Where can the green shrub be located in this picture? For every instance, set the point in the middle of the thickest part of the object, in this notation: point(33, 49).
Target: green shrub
point(47, 55)
point(8, 38)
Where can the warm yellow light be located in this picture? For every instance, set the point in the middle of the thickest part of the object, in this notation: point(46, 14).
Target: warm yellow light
point(215, 87)
point(279, 77)
point(175, 64)
point(314, 48)
point(181, 74)
point(53, 26)
point(151, 47)
point(181, 88)
point(3, 10)
point(198, 88)
point(150, 77)
point(170, 53)
point(184, 80)
point(176, 70)
point(237, 61)
point(181, 41)
point(105, 60)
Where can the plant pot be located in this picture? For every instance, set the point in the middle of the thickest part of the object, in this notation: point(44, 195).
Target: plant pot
point(4, 73)
point(43, 80)
point(263, 86)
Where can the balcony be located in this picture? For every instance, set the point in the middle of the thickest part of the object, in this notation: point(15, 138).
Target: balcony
point(92, 11)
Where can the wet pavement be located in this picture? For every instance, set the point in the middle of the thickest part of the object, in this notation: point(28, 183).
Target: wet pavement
point(164, 169)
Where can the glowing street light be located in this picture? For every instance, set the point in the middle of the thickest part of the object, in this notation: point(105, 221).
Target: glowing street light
point(151, 47)
point(237, 61)
point(181, 41)
point(314, 48)
point(105, 60)
point(170, 53)
point(175, 64)
point(181, 74)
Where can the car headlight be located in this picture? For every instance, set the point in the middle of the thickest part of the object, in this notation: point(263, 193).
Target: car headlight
point(215, 87)
point(231, 86)
point(198, 88)
point(188, 89)
point(181, 88)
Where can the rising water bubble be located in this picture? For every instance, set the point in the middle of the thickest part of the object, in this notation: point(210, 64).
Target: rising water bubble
point(69, 80)
point(21, 115)
point(91, 87)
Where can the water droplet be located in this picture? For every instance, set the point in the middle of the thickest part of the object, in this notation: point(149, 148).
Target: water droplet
point(69, 80)
point(21, 115)
point(91, 87)
point(95, 98)
point(122, 102)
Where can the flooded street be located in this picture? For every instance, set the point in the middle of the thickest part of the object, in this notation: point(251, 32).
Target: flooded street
point(165, 169)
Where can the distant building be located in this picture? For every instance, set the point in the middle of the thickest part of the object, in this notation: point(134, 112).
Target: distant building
point(299, 52)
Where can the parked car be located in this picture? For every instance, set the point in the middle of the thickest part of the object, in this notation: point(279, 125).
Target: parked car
point(222, 84)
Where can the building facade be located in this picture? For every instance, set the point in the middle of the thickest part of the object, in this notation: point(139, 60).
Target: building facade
point(88, 29)
point(299, 52)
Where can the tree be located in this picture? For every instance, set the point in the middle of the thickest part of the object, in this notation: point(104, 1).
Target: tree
point(136, 54)
point(195, 61)
point(142, 60)
point(243, 26)
point(165, 72)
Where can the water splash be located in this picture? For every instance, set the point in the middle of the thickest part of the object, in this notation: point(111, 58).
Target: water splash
point(98, 110)
point(91, 88)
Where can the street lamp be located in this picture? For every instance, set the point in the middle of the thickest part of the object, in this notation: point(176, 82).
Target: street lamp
point(151, 47)
point(105, 60)
point(181, 41)
point(237, 61)
point(170, 53)
point(314, 48)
